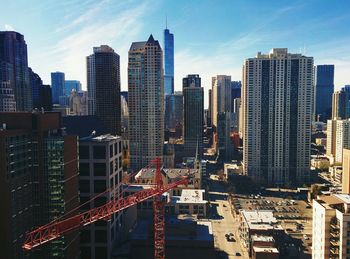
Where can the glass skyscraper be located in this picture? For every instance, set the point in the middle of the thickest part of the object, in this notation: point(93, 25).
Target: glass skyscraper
point(168, 62)
point(57, 83)
point(324, 75)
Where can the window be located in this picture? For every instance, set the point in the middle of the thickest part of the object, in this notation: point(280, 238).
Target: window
point(99, 152)
point(84, 169)
point(84, 186)
point(115, 148)
point(99, 201)
point(99, 186)
point(110, 150)
point(84, 152)
point(99, 169)
point(100, 252)
point(85, 252)
point(100, 236)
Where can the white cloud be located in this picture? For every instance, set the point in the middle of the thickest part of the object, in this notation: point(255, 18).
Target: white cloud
point(8, 27)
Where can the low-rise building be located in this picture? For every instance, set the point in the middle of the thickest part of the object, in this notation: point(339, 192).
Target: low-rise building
point(265, 253)
point(190, 202)
point(146, 176)
point(261, 223)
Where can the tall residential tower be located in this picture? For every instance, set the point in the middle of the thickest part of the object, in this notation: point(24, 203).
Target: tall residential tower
point(277, 98)
point(146, 102)
point(103, 83)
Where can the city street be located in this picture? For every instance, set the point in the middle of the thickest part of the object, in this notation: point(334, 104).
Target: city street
point(223, 223)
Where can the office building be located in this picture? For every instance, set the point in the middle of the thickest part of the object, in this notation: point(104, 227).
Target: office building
point(14, 68)
point(57, 84)
point(100, 166)
point(69, 85)
point(193, 115)
point(173, 110)
point(324, 81)
point(46, 97)
point(235, 114)
point(7, 97)
point(277, 98)
point(168, 62)
point(345, 179)
point(103, 84)
point(331, 227)
point(340, 105)
point(145, 102)
point(210, 103)
point(236, 87)
point(35, 83)
point(221, 96)
point(78, 103)
point(36, 158)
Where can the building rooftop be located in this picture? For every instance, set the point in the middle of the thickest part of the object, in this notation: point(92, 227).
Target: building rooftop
point(271, 250)
point(345, 198)
point(260, 219)
point(262, 238)
point(101, 138)
point(172, 173)
point(191, 196)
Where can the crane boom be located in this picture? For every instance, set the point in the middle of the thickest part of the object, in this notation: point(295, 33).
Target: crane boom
point(58, 228)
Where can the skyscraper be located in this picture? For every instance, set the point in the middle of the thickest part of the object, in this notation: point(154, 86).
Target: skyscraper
point(14, 68)
point(236, 87)
point(324, 75)
point(193, 115)
point(168, 62)
point(340, 105)
point(221, 96)
point(69, 85)
point(277, 98)
point(173, 110)
point(57, 84)
point(146, 102)
point(36, 83)
point(103, 84)
point(7, 97)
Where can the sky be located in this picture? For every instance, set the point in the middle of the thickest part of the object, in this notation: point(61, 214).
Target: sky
point(211, 36)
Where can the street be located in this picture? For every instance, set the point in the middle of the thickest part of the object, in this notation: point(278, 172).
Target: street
point(223, 223)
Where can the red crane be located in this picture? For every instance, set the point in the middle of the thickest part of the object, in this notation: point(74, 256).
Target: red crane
point(58, 228)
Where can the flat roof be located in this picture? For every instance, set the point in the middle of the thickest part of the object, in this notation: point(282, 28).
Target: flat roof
point(343, 197)
point(271, 250)
point(146, 173)
point(192, 196)
point(101, 138)
point(262, 238)
point(260, 219)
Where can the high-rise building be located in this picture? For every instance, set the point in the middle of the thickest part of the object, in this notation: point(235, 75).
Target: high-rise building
point(324, 80)
point(78, 103)
point(46, 97)
point(173, 110)
point(100, 166)
point(330, 227)
point(146, 102)
point(235, 114)
point(277, 98)
point(340, 105)
point(221, 96)
point(224, 144)
point(14, 68)
point(36, 83)
point(103, 84)
point(236, 87)
point(346, 171)
point(69, 85)
point(342, 138)
point(39, 182)
point(209, 117)
point(168, 62)
point(331, 134)
point(193, 115)
point(57, 84)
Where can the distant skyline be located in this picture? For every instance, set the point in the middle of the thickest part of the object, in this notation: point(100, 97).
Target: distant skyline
point(211, 37)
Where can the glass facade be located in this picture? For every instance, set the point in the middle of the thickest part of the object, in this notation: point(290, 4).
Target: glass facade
point(57, 83)
point(324, 90)
point(168, 62)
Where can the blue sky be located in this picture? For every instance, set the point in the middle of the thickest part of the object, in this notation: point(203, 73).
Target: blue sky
point(211, 37)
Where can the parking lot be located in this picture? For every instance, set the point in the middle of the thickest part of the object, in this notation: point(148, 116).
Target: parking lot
point(295, 216)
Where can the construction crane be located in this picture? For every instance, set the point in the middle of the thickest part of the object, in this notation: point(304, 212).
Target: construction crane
point(58, 228)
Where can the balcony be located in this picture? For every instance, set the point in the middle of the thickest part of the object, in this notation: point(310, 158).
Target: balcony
point(334, 242)
point(334, 251)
